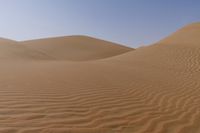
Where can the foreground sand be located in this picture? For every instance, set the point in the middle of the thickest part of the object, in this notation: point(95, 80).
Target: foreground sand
point(154, 89)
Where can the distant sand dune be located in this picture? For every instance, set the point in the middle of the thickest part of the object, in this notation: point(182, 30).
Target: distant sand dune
point(12, 50)
point(154, 89)
point(76, 48)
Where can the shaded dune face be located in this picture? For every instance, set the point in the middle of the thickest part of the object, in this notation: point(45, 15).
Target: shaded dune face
point(72, 48)
point(12, 50)
point(154, 89)
point(76, 48)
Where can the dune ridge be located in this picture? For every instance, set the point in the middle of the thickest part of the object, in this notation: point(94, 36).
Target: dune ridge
point(12, 50)
point(69, 48)
point(154, 89)
point(77, 48)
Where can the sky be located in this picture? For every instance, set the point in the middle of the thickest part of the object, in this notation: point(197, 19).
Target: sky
point(133, 23)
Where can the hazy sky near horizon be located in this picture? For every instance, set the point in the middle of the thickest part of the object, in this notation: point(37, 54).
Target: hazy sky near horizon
point(130, 22)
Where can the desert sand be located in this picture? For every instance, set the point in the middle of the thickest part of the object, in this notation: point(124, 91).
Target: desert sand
point(79, 84)
point(78, 48)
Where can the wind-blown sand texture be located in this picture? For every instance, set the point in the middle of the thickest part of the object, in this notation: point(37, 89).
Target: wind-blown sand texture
point(154, 89)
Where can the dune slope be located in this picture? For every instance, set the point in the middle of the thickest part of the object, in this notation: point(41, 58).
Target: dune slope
point(11, 50)
point(166, 75)
point(77, 48)
point(154, 89)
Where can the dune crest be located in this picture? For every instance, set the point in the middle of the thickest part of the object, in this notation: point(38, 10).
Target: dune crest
point(70, 48)
point(76, 48)
point(12, 50)
point(188, 35)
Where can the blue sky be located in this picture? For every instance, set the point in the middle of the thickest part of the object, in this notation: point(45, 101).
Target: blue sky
point(130, 22)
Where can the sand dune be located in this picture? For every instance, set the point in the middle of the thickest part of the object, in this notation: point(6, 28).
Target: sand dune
point(76, 48)
point(11, 50)
point(154, 89)
point(189, 35)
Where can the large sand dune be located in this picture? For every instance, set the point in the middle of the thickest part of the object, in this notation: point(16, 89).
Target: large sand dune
point(76, 48)
point(154, 89)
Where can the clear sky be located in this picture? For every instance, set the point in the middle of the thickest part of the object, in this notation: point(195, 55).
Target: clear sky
point(130, 22)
